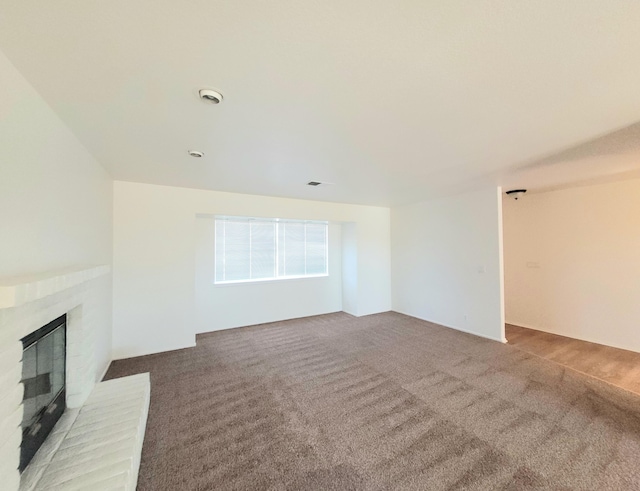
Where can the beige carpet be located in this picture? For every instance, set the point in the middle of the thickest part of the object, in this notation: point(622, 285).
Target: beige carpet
point(379, 402)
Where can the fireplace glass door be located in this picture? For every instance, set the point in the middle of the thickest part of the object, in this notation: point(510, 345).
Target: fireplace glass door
point(43, 377)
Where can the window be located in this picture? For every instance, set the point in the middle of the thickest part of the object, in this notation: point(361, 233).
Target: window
point(254, 249)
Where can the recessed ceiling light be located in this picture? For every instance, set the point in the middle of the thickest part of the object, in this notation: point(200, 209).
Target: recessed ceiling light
point(211, 96)
point(196, 153)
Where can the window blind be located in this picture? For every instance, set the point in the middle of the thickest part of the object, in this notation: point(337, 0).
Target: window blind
point(254, 249)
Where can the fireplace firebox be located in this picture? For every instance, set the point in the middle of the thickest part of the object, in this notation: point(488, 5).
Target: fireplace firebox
point(43, 377)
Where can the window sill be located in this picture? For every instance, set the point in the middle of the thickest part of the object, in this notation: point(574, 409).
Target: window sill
point(267, 280)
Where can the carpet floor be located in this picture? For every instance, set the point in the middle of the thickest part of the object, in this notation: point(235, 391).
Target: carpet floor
point(385, 401)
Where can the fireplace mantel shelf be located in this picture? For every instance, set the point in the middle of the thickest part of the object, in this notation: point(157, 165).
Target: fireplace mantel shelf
point(20, 290)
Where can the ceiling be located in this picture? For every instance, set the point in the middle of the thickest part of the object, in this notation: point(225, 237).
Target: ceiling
point(391, 101)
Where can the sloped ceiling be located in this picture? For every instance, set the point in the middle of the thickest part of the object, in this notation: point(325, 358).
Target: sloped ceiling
point(391, 101)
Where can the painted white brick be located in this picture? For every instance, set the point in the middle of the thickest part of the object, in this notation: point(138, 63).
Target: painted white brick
point(66, 421)
point(10, 458)
point(19, 291)
point(10, 356)
point(95, 447)
point(10, 424)
point(31, 475)
point(11, 379)
point(102, 448)
point(69, 454)
point(12, 398)
point(79, 478)
point(47, 450)
point(26, 305)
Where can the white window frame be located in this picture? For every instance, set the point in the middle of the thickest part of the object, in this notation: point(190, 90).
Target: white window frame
point(276, 277)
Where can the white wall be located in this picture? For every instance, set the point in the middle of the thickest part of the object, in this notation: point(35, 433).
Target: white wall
point(446, 262)
point(55, 199)
point(155, 257)
point(349, 268)
point(244, 304)
point(572, 263)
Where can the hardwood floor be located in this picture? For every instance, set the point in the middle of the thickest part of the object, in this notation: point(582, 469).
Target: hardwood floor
point(616, 366)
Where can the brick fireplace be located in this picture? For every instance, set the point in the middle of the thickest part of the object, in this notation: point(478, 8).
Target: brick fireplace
point(27, 304)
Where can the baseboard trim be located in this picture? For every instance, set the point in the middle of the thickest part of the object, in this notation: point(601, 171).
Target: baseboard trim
point(466, 331)
point(126, 356)
point(373, 313)
point(105, 371)
point(271, 321)
point(571, 336)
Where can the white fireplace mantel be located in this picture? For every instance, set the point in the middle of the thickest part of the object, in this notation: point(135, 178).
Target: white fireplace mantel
point(19, 290)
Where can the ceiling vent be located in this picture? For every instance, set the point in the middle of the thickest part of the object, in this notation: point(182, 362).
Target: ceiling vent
point(314, 183)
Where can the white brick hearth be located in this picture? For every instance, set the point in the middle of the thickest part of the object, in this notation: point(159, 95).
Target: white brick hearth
point(26, 304)
point(97, 447)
